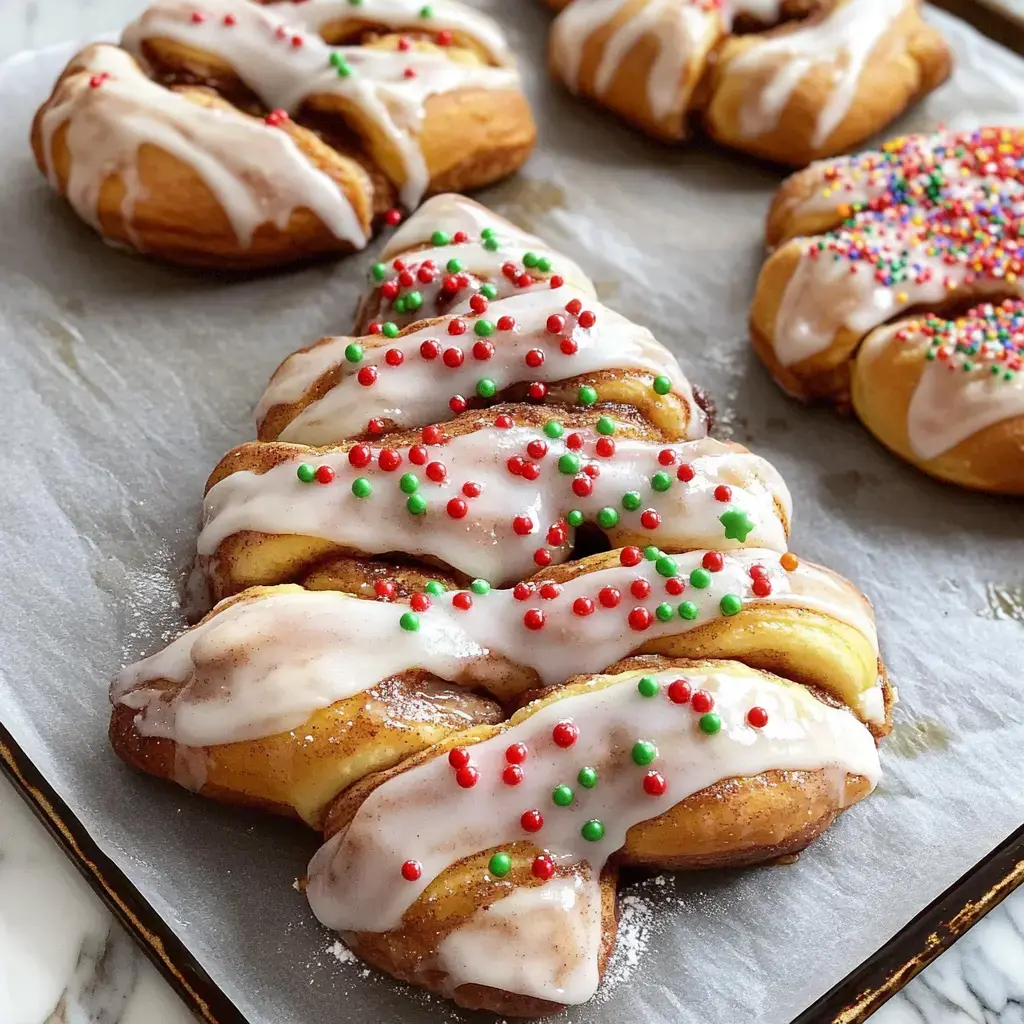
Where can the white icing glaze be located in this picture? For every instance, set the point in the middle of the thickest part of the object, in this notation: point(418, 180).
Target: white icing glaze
point(825, 295)
point(256, 173)
point(355, 881)
point(418, 391)
point(259, 46)
point(263, 665)
point(540, 941)
point(484, 542)
point(948, 405)
point(844, 38)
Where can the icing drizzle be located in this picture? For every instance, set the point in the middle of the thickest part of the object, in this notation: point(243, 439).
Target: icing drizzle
point(355, 880)
point(280, 56)
point(502, 500)
point(263, 664)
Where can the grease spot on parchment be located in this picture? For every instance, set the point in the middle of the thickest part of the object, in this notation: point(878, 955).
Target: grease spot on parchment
point(912, 739)
point(606, 290)
point(528, 200)
point(1003, 601)
point(846, 485)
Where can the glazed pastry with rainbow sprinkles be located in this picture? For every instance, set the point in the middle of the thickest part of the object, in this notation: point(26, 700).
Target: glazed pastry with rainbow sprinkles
point(499, 618)
point(895, 285)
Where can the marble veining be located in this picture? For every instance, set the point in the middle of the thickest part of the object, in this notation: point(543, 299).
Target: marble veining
point(64, 960)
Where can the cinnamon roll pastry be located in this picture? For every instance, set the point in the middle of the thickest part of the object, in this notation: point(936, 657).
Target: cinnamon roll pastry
point(283, 696)
point(451, 251)
point(929, 224)
point(491, 494)
point(789, 80)
point(500, 893)
point(204, 159)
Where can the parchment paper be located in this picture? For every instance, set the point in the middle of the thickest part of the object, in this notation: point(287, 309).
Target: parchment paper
point(122, 382)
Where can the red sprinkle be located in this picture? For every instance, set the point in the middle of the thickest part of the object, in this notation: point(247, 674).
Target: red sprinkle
point(198, 17)
point(685, 473)
point(523, 525)
point(453, 357)
point(762, 586)
point(609, 597)
point(712, 561)
point(537, 449)
point(324, 475)
point(457, 404)
point(543, 867)
point(430, 350)
point(674, 586)
point(556, 323)
point(534, 358)
point(515, 753)
point(631, 556)
point(534, 619)
point(462, 600)
point(532, 821)
point(458, 757)
point(471, 490)
point(556, 281)
point(459, 237)
point(582, 606)
point(436, 472)
point(385, 590)
point(582, 486)
point(605, 447)
point(757, 570)
point(506, 323)
point(650, 519)
point(640, 588)
point(680, 691)
point(456, 326)
point(757, 717)
point(655, 784)
point(411, 870)
point(565, 734)
point(702, 702)
point(418, 455)
point(478, 303)
point(514, 464)
point(522, 591)
point(723, 493)
point(367, 376)
point(444, 38)
point(432, 434)
point(666, 457)
point(557, 535)
point(512, 775)
point(419, 602)
point(456, 508)
point(573, 306)
point(394, 357)
point(574, 442)
point(389, 459)
point(393, 217)
point(483, 350)
point(568, 347)
point(375, 327)
point(639, 619)
point(467, 777)
point(504, 421)
point(360, 456)
point(531, 471)
point(542, 557)
point(587, 319)
point(375, 426)
point(537, 391)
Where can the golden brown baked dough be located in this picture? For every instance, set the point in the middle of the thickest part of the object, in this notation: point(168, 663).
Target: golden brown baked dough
point(929, 224)
point(789, 80)
point(401, 104)
point(655, 802)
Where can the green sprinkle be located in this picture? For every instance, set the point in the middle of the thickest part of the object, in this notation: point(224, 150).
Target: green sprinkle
point(361, 487)
point(306, 473)
point(644, 752)
point(426, 12)
point(737, 524)
point(354, 352)
point(730, 604)
point(631, 501)
point(486, 388)
point(499, 865)
point(662, 385)
point(568, 464)
point(483, 328)
point(648, 686)
point(487, 233)
point(453, 266)
point(413, 300)
point(575, 518)
point(544, 264)
point(663, 612)
point(687, 610)
point(379, 271)
point(491, 244)
point(399, 305)
point(480, 586)
point(700, 578)
point(710, 723)
point(554, 429)
point(416, 504)
point(410, 622)
point(587, 777)
point(488, 291)
point(606, 425)
point(562, 795)
point(651, 553)
point(389, 330)
point(666, 566)
point(530, 259)
point(409, 483)
point(586, 395)
point(341, 66)
point(607, 518)
point(593, 831)
point(440, 238)
point(661, 481)
point(435, 588)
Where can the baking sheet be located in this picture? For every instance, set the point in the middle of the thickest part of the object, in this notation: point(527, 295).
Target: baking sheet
point(123, 382)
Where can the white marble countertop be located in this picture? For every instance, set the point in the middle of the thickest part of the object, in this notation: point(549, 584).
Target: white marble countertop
point(64, 960)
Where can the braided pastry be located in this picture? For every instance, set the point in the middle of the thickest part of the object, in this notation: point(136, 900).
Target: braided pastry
point(928, 223)
point(373, 701)
point(790, 80)
point(199, 161)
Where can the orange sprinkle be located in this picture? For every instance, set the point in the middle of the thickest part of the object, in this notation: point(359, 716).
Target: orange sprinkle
point(789, 561)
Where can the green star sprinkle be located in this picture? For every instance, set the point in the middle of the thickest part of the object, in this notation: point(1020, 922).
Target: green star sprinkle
point(499, 865)
point(700, 578)
point(737, 524)
point(361, 487)
point(643, 752)
point(647, 686)
point(562, 795)
point(710, 723)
